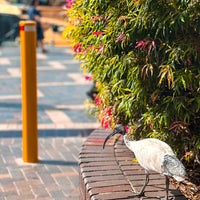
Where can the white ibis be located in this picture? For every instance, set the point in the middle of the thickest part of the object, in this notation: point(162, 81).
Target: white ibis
point(153, 155)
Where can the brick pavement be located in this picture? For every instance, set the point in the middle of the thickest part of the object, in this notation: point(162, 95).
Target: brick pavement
point(62, 121)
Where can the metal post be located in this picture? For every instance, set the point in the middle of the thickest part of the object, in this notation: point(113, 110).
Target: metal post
point(29, 91)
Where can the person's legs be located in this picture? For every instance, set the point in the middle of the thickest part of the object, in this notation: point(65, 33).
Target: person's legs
point(40, 37)
point(41, 45)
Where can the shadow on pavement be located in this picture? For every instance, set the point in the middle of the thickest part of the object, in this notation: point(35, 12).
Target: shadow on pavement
point(50, 133)
point(58, 162)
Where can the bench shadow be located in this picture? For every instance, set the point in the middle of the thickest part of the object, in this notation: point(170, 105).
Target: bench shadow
point(58, 162)
point(44, 133)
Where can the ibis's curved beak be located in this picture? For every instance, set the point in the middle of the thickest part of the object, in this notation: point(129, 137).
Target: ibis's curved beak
point(108, 137)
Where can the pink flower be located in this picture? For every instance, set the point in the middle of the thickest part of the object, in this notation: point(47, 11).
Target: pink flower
point(98, 18)
point(69, 4)
point(100, 48)
point(95, 18)
point(105, 122)
point(88, 77)
point(106, 117)
point(97, 101)
point(126, 128)
point(141, 45)
point(109, 111)
point(77, 47)
point(121, 37)
point(97, 33)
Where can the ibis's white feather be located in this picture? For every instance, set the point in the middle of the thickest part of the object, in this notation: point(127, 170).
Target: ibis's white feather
point(153, 154)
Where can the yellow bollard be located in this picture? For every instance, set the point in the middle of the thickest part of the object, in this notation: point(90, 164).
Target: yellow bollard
point(29, 91)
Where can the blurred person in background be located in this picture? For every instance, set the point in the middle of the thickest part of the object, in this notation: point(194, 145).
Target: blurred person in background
point(35, 15)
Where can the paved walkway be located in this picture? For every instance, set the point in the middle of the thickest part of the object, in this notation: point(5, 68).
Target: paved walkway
point(62, 121)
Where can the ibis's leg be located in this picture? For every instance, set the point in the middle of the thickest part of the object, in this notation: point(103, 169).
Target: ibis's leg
point(145, 183)
point(141, 193)
point(167, 187)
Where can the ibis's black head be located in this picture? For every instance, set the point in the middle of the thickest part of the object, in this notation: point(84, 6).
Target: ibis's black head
point(119, 128)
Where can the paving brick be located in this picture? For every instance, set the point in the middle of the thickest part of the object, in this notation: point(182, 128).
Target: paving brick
point(58, 194)
point(97, 159)
point(104, 183)
point(109, 189)
point(92, 164)
point(104, 178)
point(99, 168)
point(101, 173)
point(7, 186)
point(113, 195)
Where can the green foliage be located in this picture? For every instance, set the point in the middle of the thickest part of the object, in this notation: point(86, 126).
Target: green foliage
point(145, 57)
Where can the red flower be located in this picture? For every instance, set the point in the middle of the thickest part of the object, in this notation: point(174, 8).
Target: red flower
point(109, 111)
point(95, 18)
point(100, 48)
point(141, 45)
point(97, 101)
point(105, 123)
point(97, 33)
point(69, 4)
point(98, 18)
point(106, 117)
point(121, 37)
point(126, 128)
point(77, 48)
point(88, 77)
